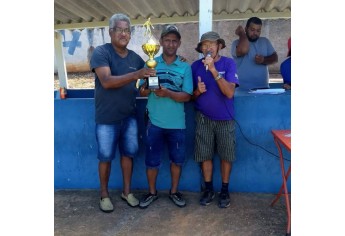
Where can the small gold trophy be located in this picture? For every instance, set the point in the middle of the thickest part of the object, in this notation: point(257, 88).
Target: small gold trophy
point(151, 48)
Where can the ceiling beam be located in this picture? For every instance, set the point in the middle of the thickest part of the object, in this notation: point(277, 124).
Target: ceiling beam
point(177, 19)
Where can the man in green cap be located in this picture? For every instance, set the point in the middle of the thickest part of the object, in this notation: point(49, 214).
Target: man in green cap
point(214, 83)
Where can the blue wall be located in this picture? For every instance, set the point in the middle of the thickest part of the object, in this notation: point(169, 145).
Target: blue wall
point(255, 170)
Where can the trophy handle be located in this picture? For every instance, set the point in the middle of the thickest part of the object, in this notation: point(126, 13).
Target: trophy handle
point(137, 84)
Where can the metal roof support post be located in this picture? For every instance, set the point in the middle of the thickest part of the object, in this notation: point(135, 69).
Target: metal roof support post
point(205, 17)
point(60, 60)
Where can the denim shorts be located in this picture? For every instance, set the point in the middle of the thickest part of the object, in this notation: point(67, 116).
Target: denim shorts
point(124, 134)
point(211, 135)
point(156, 137)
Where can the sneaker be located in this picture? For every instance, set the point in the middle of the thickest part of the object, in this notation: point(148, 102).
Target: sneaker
point(147, 199)
point(207, 197)
point(130, 199)
point(177, 199)
point(224, 200)
point(105, 205)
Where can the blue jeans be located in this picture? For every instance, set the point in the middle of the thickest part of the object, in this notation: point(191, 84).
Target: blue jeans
point(155, 139)
point(123, 134)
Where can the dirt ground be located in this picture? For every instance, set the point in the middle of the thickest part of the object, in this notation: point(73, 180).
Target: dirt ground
point(76, 212)
point(77, 80)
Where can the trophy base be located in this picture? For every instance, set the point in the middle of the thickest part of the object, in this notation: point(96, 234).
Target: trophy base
point(153, 82)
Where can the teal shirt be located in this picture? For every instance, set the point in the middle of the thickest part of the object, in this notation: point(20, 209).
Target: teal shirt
point(165, 112)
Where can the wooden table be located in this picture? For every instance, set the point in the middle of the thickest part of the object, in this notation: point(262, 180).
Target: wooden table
point(283, 138)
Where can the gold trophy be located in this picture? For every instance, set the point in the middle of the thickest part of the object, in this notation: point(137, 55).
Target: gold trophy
point(151, 48)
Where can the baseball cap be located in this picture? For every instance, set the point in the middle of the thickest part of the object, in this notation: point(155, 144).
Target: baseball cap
point(170, 29)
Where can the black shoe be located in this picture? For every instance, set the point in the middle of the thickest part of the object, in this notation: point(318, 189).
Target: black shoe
point(177, 199)
point(207, 197)
point(147, 199)
point(224, 200)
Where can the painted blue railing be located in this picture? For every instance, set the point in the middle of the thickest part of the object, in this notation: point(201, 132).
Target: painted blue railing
point(255, 170)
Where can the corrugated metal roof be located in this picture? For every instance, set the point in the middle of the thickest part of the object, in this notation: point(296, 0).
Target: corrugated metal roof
point(96, 13)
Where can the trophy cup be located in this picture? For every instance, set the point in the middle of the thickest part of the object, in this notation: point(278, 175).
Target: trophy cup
point(151, 48)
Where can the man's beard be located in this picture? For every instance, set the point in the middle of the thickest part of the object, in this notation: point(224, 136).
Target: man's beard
point(252, 40)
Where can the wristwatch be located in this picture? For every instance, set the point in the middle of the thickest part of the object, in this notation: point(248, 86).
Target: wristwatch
point(219, 76)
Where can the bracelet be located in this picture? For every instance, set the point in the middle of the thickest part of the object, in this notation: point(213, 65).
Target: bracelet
point(218, 77)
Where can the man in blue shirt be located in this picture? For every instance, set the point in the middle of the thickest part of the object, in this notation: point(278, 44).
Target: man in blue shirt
point(167, 123)
point(116, 71)
point(252, 55)
point(285, 68)
point(214, 82)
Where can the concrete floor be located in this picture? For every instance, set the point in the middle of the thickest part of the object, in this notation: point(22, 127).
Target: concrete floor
point(76, 212)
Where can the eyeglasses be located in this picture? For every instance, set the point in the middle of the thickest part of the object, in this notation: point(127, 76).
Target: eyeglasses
point(209, 45)
point(120, 30)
